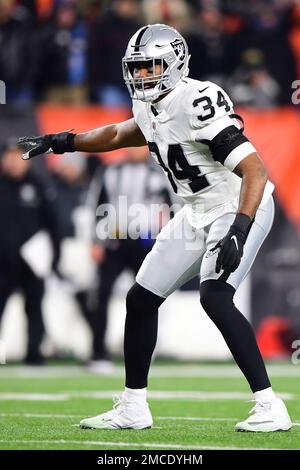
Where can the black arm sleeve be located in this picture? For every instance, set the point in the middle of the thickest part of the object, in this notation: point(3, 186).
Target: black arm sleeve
point(224, 142)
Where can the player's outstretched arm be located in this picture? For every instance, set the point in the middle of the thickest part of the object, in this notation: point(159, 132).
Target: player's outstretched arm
point(111, 137)
point(103, 139)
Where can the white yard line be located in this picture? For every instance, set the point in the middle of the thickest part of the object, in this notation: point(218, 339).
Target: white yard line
point(39, 415)
point(22, 396)
point(205, 370)
point(151, 445)
point(180, 395)
point(45, 372)
point(152, 395)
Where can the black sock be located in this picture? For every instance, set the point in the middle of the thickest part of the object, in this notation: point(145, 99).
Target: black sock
point(140, 334)
point(217, 301)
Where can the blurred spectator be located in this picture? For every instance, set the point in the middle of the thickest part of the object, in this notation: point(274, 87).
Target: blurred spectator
point(294, 36)
point(63, 55)
point(266, 30)
point(77, 202)
point(208, 44)
point(175, 13)
point(26, 209)
point(107, 42)
point(76, 227)
point(71, 182)
point(123, 185)
point(18, 52)
point(251, 84)
point(70, 51)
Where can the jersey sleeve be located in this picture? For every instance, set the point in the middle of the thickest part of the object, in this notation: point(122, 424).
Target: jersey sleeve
point(211, 116)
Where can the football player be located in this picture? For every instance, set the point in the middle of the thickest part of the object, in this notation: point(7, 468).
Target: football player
point(192, 132)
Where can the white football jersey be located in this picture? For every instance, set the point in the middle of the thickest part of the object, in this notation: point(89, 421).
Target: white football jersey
point(180, 130)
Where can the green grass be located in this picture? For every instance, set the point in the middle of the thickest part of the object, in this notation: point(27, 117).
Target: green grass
point(31, 424)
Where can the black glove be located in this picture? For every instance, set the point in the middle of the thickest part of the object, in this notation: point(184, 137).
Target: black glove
point(231, 246)
point(56, 143)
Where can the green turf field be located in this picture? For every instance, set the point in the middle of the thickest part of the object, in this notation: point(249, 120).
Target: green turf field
point(194, 407)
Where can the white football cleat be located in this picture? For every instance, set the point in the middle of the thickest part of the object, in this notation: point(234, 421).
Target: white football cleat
point(124, 415)
point(266, 417)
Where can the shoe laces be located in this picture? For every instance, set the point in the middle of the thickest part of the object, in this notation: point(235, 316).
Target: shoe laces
point(120, 404)
point(260, 407)
point(117, 401)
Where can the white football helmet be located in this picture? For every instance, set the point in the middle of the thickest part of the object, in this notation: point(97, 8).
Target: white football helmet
point(156, 44)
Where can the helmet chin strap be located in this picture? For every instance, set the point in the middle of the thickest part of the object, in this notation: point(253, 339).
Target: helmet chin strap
point(148, 94)
point(141, 95)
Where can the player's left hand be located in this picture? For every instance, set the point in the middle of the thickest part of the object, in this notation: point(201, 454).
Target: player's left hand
point(35, 145)
point(44, 144)
point(231, 247)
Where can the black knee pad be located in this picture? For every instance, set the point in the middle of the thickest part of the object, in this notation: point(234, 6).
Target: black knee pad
point(142, 300)
point(216, 296)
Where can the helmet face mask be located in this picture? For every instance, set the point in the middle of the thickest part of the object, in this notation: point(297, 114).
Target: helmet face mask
point(152, 46)
point(149, 87)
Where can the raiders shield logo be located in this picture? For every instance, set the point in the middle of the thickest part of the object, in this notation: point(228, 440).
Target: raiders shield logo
point(179, 48)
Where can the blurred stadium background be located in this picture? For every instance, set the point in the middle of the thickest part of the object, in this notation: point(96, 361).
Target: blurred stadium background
point(61, 63)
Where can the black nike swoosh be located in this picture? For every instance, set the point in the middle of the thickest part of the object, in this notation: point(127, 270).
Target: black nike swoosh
point(200, 91)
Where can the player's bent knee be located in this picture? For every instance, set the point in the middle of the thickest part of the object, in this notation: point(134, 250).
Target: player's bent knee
point(141, 299)
point(216, 296)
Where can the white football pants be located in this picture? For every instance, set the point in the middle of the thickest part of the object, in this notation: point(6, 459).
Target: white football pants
point(182, 252)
